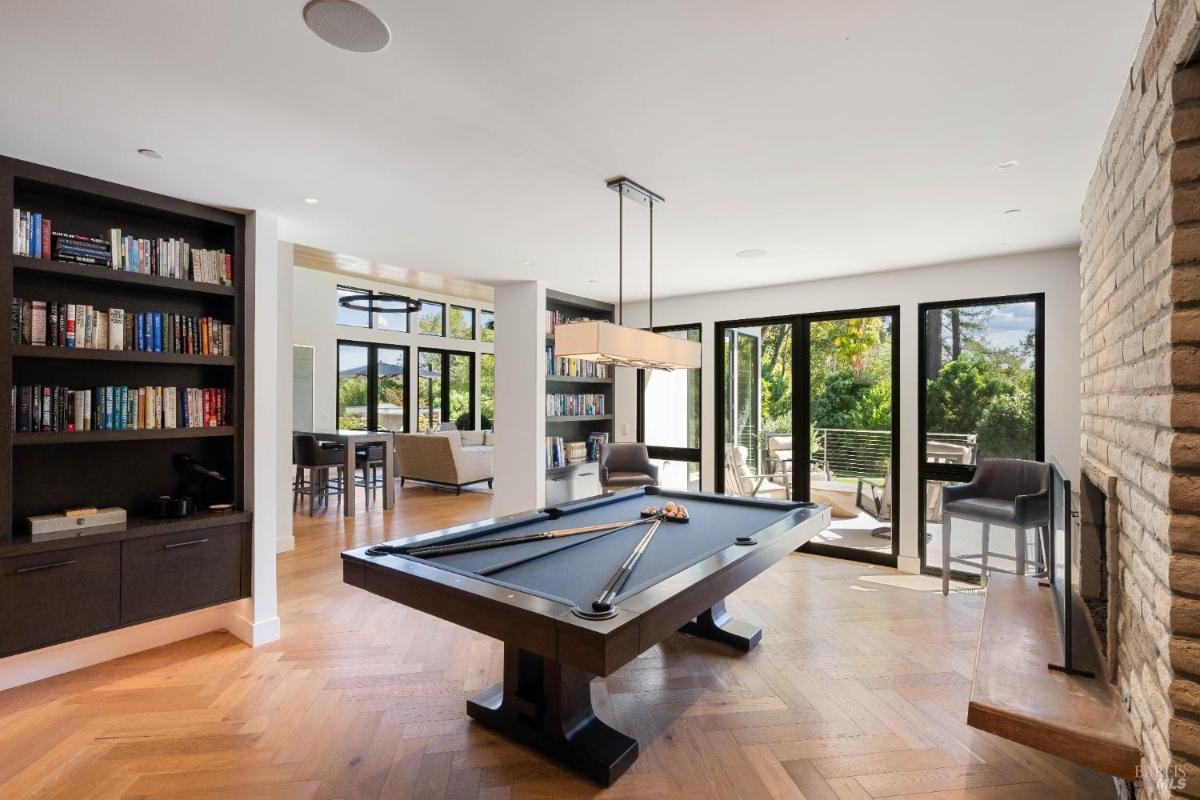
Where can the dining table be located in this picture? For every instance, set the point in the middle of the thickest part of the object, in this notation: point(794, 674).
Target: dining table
point(350, 441)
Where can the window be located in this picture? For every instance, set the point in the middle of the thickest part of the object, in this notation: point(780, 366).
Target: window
point(372, 387)
point(431, 318)
point(356, 318)
point(487, 391)
point(980, 396)
point(669, 418)
point(392, 321)
point(446, 392)
point(462, 322)
point(391, 380)
point(487, 326)
point(353, 377)
point(350, 316)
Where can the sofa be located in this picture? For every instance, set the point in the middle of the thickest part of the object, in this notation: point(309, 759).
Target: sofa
point(452, 459)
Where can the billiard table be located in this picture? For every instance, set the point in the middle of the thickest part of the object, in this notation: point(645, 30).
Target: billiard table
point(541, 606)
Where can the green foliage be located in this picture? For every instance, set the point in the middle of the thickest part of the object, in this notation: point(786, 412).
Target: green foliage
point(1006, 427)
point(957, 398)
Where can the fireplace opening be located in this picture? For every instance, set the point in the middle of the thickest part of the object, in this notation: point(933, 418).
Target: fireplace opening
point(1092, 554)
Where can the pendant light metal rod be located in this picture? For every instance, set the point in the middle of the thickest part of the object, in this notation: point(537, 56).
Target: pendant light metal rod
point(620, 257)
point(651, 327)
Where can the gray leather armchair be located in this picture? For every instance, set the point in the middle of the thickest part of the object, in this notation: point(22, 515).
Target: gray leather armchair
point(1009, 492)
point(626, 465)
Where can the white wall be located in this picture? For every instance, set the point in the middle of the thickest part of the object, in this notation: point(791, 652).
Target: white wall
point(520, 454)
point(314, 323)
point(1055, 272)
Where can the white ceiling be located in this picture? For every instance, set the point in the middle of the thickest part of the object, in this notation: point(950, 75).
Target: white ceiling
point(841, 137)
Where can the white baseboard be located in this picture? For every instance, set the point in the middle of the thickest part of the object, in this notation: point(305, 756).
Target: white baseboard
point(285, 543)
point(255, 634)
point(47, 662)
point(909, 564)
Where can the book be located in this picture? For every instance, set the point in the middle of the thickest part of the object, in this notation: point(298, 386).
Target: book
point(38, 323)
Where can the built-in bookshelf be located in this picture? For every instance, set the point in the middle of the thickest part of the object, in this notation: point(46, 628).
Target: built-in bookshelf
point(191, 266)
point(577, 478)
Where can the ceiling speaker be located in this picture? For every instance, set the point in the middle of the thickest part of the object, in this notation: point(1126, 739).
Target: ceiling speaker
point(346, 24)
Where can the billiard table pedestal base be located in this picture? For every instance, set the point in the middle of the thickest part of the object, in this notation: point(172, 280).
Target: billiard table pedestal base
point(720, 626)
point(547, 705)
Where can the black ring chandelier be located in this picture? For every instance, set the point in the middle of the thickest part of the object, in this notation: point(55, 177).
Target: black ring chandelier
point(379, 303)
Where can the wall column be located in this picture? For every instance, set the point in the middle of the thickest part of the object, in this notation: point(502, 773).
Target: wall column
point(520, 454)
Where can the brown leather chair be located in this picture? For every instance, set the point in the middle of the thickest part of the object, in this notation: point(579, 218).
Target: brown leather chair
point(626, 465)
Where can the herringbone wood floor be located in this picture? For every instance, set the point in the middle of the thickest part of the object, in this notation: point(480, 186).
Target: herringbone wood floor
point(857, 691)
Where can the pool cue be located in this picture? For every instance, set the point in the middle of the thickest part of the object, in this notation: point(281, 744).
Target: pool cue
point(519, 560)
point(488, 544)
point(617, 581)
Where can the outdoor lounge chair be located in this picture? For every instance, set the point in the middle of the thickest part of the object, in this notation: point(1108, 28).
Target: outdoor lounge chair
point(741, 480)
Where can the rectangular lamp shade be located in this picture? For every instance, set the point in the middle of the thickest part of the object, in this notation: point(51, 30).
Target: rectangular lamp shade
point(608, 343)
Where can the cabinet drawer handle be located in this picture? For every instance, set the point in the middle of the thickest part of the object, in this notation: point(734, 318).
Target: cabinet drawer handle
point(184, 544)
point(45, 566)
point(586, 474)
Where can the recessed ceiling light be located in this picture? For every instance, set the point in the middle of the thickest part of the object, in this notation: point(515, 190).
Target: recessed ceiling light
point(529, 263)
point(348, 25)
point(753, 252)
point(148, 153)
point(312, 201)
point(1005, 244)
point(1006, 165)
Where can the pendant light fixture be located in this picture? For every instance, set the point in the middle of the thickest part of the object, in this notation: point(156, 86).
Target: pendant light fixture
point(619, 344)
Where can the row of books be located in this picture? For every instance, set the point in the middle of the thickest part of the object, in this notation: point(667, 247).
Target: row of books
point(560, 453)
point(74, 325)
point(556, 318)
point(574, 405)
point(574, 367)
point(115, 408)
point(33, 235)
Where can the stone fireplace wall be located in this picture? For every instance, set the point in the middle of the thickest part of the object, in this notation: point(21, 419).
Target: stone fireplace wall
point(1140, 277)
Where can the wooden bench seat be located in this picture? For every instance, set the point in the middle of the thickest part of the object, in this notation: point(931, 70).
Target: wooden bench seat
point(1017, 696)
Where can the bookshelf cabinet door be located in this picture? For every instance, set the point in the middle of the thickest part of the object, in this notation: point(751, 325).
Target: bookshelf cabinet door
point(58, 595)
point(162, 575)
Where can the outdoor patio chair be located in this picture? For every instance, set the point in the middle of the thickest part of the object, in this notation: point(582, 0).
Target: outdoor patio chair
point(878, 502)
point(741, 480)
point(1009, 492)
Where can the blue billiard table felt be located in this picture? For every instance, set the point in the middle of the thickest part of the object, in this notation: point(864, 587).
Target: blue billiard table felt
point(578, 573)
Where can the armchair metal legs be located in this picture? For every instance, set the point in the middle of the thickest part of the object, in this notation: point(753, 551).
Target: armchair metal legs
point(981, 559)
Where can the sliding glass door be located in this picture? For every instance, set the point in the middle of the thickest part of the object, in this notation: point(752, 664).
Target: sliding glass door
point(669, 418)
point(807, 409)
point(850, 406)
point(372, 386)
point(980, 396)
point(445, 389)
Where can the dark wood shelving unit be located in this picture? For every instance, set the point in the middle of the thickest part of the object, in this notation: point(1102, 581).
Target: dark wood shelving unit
point(86, 437)
point(86, 273)
point(76, 584)
point(578, 479)
point(132, 356)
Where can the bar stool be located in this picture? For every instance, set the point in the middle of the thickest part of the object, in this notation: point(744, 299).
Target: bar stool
point(366, 460)
point(1009, 492)
point(309, 455)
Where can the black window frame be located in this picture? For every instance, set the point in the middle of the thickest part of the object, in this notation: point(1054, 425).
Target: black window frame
point(482, 325)
point(962, 473)
point(373, 294)
point(801, 357)
point(424, 303)
point(372, 349)
point(687, 454)
point(450, 308)
point(444, 398)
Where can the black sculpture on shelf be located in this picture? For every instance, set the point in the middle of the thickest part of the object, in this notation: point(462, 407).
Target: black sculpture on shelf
point(199, 485)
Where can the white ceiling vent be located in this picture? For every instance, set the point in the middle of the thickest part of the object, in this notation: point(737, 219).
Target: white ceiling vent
point(347, 25)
